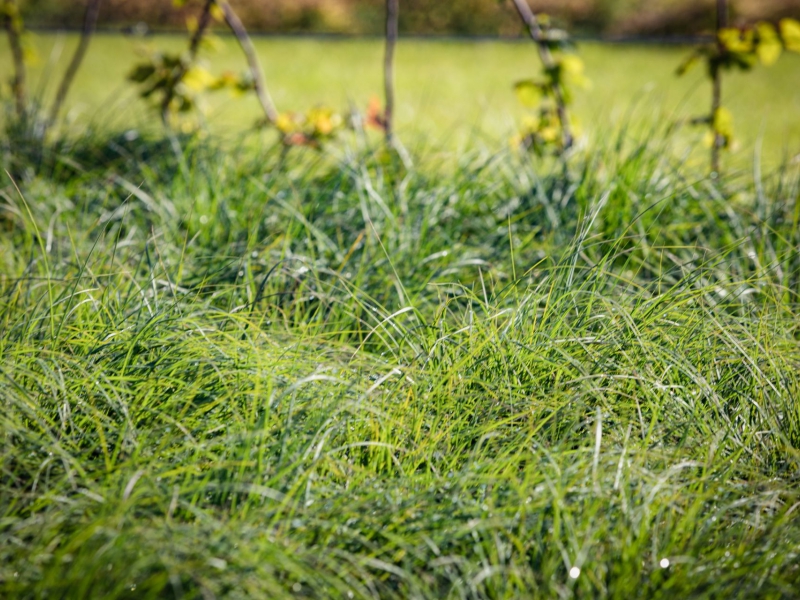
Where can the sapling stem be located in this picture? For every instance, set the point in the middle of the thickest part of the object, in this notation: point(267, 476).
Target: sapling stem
point(392, 13)
point(89, 24)
point(194, 46)
point(233, 21)
point(13, 27)
point(716, 95)
point(537, 35)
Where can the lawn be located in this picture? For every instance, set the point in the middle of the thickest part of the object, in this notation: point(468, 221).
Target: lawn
point(451, 94)
point(227, 370)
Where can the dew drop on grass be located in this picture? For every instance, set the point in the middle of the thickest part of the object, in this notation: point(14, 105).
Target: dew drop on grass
point(664, 563)
point(574, 572)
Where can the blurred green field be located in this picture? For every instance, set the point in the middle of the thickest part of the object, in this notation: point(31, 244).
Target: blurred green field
point(455, 92)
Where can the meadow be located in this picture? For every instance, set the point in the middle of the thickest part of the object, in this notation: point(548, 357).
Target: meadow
point(230, 370)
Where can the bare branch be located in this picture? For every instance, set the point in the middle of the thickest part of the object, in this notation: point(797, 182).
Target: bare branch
point(13, 26)
point(246, 44)
point(392, 13)
point(535, 31)
point(89, 23)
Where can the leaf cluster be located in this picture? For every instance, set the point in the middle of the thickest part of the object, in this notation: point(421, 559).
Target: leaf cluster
point(740, 49)
point(542, 129)
point(312, 128)
point(181, 82)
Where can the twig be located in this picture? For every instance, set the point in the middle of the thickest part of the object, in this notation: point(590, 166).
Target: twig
point(246, 44)
point(716, 96)
point(392, 13)
point(535, 31)
point(14, 29)
point(89, 23)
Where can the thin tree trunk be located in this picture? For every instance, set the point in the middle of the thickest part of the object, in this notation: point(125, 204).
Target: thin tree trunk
point(716, 96)
point(14, 30)
point(89, 23)
point(392, 13)
point(546, 57)
point(194, 46)
point(246, 44)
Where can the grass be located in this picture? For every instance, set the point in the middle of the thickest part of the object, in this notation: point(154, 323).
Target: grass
point(227, 370)
point(239, 373)
point(452, 95)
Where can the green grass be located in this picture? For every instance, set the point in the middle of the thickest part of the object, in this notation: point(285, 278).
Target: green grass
point(228, 370)
point(237, 373)
point(451, 94)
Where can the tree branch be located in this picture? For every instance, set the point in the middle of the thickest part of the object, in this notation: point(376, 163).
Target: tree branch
point(89, 23)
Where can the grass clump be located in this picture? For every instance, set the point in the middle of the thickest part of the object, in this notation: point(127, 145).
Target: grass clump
point(248, 374)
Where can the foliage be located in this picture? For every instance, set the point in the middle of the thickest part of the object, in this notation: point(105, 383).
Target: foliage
point(177, 82)
point(740, 49)
point(542, 130)
point(316, 126)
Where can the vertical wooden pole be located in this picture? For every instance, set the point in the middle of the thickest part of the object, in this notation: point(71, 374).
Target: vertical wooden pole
point(392, 13)
point(716, 96)
point(14, 29)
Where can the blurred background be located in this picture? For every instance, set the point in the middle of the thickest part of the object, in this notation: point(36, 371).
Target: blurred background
point(457, 63)
point(426, 17)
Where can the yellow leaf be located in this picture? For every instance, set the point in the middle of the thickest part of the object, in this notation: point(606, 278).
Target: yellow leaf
point(286, 123)
point(217, 13)
point(191, 24)
point(528, 93)
point(723, 123)
point(571, 64)
point(530, 124)
point(769, 46)
point(736, 40)
point(790, 32)
point(549, 134)
point(198, 79)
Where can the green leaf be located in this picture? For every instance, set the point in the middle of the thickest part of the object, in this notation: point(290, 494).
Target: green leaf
point(736, 40)
point(141, 72)
point(529, 93)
